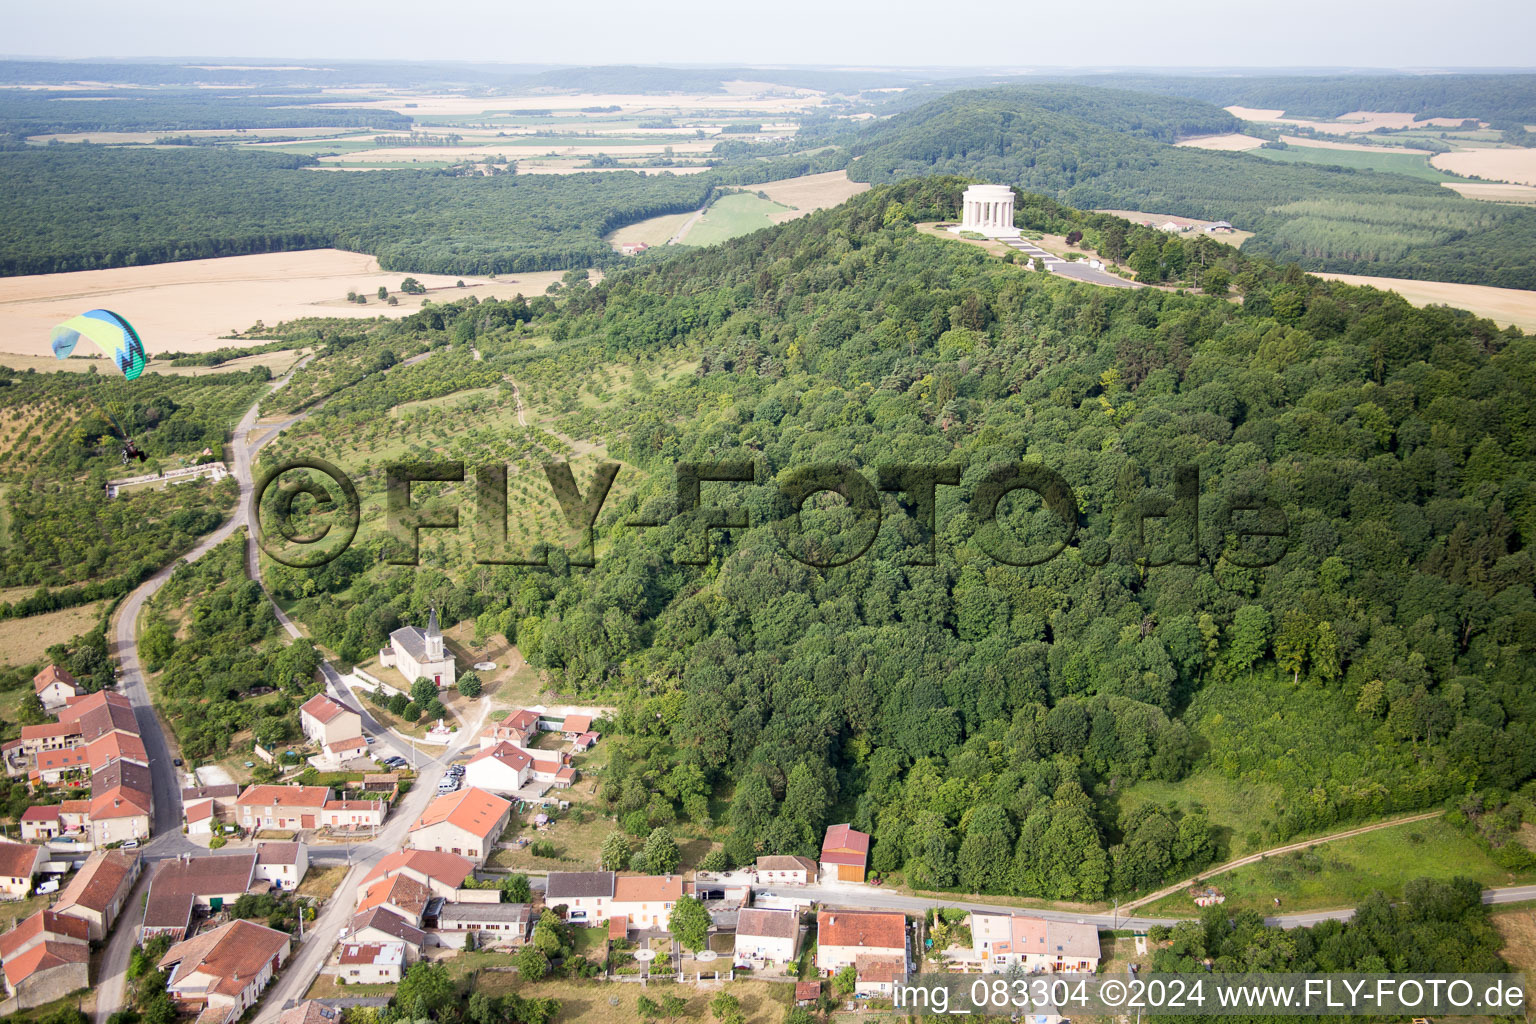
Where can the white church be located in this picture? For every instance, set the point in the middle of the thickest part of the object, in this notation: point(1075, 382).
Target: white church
point(418, 654)
point(988, 210)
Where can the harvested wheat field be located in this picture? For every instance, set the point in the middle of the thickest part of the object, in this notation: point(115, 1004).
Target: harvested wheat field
point(1233, 142)
point(1493, 192)
point(27, 640)
point(1504, 306)
point(1517, 166)
point(809, 193)
point(1356, 122)
point(194, 306)
point(1358, 147)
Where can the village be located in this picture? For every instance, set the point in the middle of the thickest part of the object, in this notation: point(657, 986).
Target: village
point(289, 897)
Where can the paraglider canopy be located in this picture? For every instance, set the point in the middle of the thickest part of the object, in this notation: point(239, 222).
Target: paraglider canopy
point(112, 334)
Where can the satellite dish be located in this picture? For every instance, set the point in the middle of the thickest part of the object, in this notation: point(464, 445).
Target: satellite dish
point(645, 955)
point(706, 955)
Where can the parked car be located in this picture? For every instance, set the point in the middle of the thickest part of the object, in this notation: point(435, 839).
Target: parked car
point(176, 761)
point(370, 740)
point(132, 844)
point(52, 885)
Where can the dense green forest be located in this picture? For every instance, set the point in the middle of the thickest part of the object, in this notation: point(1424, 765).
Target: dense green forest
point(87, 207)
point(1097, 148)
point(984, 720)
point(43, 112)
point(63, 445)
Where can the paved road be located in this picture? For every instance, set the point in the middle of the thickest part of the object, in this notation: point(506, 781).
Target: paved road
point(1078, 270)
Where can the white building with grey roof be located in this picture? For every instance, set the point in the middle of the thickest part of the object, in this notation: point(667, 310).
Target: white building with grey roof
point(420, 654)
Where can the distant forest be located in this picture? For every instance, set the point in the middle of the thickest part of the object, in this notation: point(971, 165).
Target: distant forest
point(24, 112)
point(87, 207)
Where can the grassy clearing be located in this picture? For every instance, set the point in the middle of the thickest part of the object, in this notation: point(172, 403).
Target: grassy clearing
point(1343, 873)
point(321, 883)
point(732, 215)
point(1386, 160)
point(325, 987)
point(595, 1002)
point(651, 231)
point(1234, 806)
point(23, 641)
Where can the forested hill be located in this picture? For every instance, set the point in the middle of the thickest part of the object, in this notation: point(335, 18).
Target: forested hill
point(1106, 148)
point(996, 726)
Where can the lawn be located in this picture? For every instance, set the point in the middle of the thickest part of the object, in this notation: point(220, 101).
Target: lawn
point(736, 214)
point(1235, 808)
point(1343, 873)
point(1414, 165)
point(596, 1002)
point(325, 987)
point(577, 847)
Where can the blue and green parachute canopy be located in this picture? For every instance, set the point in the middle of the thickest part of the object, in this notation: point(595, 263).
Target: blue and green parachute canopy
point(111, 333)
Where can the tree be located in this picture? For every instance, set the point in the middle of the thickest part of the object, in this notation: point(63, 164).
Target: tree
point(987, 849)
point(689, 923)
point(843, 981)
point(1039, 264)
point(724, 1003)
point(1215, 281)
point(425, 989)
point(411, 286)
point(616, 851)
point(661, 853)
point(531, 963)
point(515, 889)
point(383, 292)
point(647, 1007)
point(1250, 636)
point(1147, 262)
point(423, 691)
point(469, 684)
point(398, 703)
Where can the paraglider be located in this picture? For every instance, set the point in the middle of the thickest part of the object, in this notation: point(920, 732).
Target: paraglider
point(120, 343)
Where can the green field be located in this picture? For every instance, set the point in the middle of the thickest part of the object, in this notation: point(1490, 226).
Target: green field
point(1343, 873)
point(1414, 165)
point(1237, 808)
point(737, 214)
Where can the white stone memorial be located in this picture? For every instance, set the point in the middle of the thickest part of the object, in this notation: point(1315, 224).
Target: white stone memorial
point(988, 210)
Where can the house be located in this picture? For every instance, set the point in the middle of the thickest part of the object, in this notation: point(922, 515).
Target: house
point(785, 870)
point(223, 798)
point(281, 807)
point(552, 767)
point(54, 686)
point(842, 936)
point(327, 722)
point(167, 913)
point(493, 924)
point(46, 972)
point(586, 895)
point(353, 813)
point(214, 880)
point(1219, 226)
point(122, 802)
point(767, 935)
point(383, 925)
point(43, 926)
point(372, 963)
point(499, 769)
point(647, 900)
point(282, 864)
point(226, 968)
point(575, 725)
point(518, 729)
point(419, 654)
point(35, 739)
point(442, 873)
point(39, 823)
point(585, 742)
point(112, 713)
point(844, 854)
point(399, 894)
point(198, 817)
point(100, 889)
point(115, 746)
point(1034, 942)
point(311, 1011)
point(18, 863)
point(878, 976)
point(467, 823)
point(56, 766)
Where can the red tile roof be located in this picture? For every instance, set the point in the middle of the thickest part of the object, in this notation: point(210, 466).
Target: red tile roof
point(106, 872)
point(390, 923)
point(48, 812)
point(233, 953)
point(400, 891)
point(323, 707)
point(878, 969)
point(116, 746)
point(47, 922)
point(618, 926)
point(474, 810)
point(507, 754)
point(62, 760)
point(45, 956)
point(445, 868)
point(53, 674)
point(93, 702)
point(845, 838)
point(647, 888)
point(576, 723)
point(18, 860)
point(871, 929)
point(285, 796)
point(50, 729)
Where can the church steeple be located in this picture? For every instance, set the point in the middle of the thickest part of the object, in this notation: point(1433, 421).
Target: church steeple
point(434, 638)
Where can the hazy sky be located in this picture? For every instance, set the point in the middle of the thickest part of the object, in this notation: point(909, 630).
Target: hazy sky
point(1023, 33)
